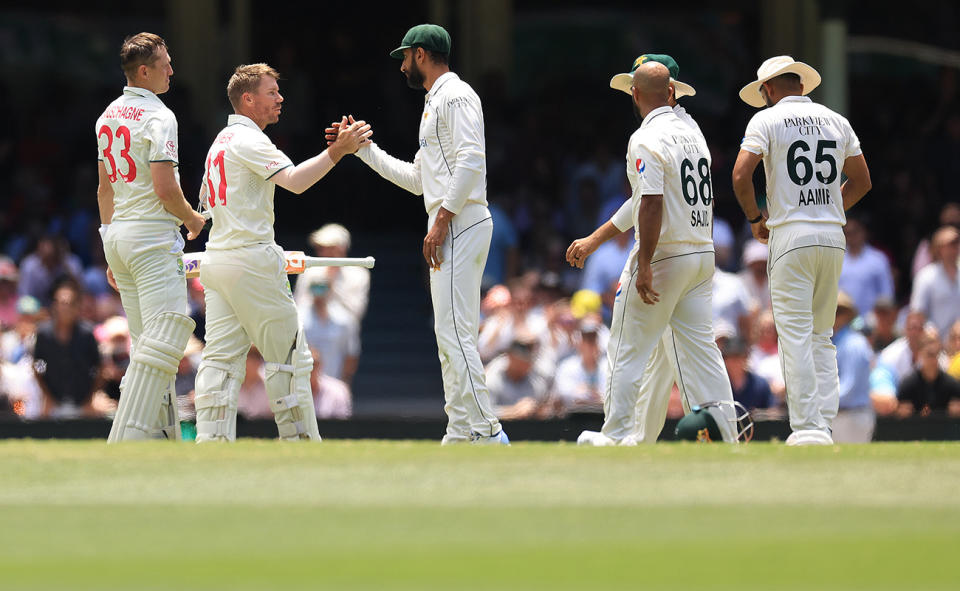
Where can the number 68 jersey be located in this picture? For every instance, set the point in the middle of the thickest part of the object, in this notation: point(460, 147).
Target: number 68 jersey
point(135, 130)
point(804, 146)
point(669, 157)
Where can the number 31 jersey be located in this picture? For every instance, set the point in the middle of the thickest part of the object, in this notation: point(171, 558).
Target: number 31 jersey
point(237, 187)
point(668, 157)
point(135, 130)
point(804, 146)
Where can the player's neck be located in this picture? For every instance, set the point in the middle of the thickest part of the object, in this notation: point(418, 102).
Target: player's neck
point(430, 78)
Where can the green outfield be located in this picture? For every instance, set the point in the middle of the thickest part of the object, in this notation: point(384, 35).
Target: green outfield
point(413, 515)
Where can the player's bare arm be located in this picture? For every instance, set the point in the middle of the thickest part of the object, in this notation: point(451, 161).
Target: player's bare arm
point(347, 140)
point(858, 180)
point(171, 197)
point(105, 205)
point(581, 248)
point(743, 169)
point(435, 238)
point(649, 220)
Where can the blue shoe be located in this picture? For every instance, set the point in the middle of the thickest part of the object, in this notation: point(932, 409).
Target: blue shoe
point(499, 439)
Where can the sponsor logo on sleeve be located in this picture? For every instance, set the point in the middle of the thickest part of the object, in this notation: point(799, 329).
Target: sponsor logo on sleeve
point(641, 166)
point(274, 165)
point(170, 149)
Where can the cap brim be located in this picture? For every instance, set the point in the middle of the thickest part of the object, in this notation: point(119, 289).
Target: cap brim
point(398, 52)
point(809, 77)
point(681, 89)
point(622, 82)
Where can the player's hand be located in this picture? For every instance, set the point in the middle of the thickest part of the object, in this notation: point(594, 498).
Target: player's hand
point(195, 225)
point(579, 250)
point(645, 284)
point(330, 133)
point(348, 124)
point(760, 231)
point(433, 243)
point(111, 280)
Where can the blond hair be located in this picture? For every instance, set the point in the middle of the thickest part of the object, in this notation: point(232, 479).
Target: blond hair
point(246, 78)
point(138, 50)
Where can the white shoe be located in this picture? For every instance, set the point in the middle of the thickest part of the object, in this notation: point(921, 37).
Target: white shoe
point(809, 437)
point(594, 438)
point(500, 438)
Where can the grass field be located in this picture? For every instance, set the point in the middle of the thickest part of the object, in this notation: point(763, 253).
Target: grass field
point(413, 515)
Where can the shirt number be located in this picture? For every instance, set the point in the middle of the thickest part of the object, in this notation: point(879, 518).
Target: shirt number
point(692, 190)
point(123, 132)
point(222, 185)
point(800, 168)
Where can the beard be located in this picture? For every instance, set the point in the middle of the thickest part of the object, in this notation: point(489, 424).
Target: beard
point(414, 76)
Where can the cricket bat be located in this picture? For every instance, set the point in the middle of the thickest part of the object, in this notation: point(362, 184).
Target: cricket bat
point(297, 262)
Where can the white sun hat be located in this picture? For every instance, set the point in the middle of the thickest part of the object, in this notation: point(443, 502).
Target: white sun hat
point(773, 67)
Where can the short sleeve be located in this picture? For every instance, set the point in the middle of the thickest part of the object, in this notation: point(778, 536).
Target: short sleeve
point(161, 132)
point(262, 157)
point(623, 218)
point(649, 169)
point(755, 137)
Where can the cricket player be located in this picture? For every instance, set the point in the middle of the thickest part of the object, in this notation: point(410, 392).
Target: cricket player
point(670, 267)
point(804, 147)
point(246, 290)
point(141, 208)
point(450, 171)
point(663, 369)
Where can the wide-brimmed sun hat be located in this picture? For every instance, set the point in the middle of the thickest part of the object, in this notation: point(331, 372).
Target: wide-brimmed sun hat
point(773, 67)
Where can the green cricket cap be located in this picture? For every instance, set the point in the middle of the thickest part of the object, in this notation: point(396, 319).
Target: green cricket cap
point(699, 425)
point(625, 81)
point(429, 37)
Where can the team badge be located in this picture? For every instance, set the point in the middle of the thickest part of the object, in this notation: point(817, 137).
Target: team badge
point(703, 436)
point(425, 115)
point(641, 166)
point(639, 61)
point(180, 267)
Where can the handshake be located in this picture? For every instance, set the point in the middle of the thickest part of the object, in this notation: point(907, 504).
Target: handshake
point(346, 136)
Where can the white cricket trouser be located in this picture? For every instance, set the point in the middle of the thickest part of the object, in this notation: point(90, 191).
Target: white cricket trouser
point(455, 290)
point(854, 425)
point(146, 258)
point(685, 286)
point(248, 299)
point(804, 270)
point(654, 401)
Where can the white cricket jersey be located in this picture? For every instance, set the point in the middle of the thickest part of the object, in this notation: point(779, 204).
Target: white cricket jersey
point(621, 219)
point(450, 168)
point(667, 157)
point(804, 146)
point(237, 186)
point(135, 130)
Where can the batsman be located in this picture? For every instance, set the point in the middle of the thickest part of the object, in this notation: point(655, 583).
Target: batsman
point(247, 294)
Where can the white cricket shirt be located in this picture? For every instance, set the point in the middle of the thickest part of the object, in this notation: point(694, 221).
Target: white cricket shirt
point(135, 130)
point(450, 167)
point(237, 186)
point(804, 146)
point(665, 156)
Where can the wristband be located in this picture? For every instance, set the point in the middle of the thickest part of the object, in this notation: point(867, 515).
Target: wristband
point(756, 219)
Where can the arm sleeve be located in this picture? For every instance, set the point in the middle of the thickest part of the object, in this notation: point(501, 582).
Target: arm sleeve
point(853, 142)
point(755, 137)
point(262, 157)
point(623, 218)
point(649, 172)
point(405, 175)
point(161, 132)
point(464, 119)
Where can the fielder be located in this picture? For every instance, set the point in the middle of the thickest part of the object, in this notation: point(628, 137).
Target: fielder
point(804, 147)
point(449, 170)
point(141, 207)
point(246, 289)
point(663, 369)
point(671, 266)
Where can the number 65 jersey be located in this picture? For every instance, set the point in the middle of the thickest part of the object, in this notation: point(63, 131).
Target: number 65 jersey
point(666, 156)
point(135, 130)
point(804, 146)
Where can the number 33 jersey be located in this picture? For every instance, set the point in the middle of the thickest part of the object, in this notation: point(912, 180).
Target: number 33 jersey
point(236, 185)
point(804, 146)
point(135, 130)
point(668, 157)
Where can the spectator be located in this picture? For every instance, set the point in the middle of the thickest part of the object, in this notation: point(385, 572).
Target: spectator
point(765, 356)
point(50, 262)
point(949, 216)
point(953, 350)
point(731, 302)
point(519, 315)
point(113, 337)
point(723, 244)
point(517, 391)
point(882, 324)
point(929, 389)
point(606, 264)
point(855, 420)
point(749, 389)
point(331, 397)
point(197, 306)
point(866, 274)
point(349, 286)
point(754, 276)
point(332, 333)
point(936, 289)
point(581, 379)
point(18, 343)
point(8, 293)
point(252, 400)
point(66, 359)
point(902, 355)
point(503, 260)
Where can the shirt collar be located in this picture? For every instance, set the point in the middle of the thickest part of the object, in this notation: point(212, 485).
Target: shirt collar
point(655, 113)
point(795, 99)
point(141, 92)
point(236, 119)
point(443, 79)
